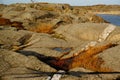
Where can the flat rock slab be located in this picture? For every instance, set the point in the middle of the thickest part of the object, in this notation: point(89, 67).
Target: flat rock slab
point(16, 66)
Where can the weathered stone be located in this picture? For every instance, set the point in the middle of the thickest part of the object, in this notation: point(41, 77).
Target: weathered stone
point(72, 28)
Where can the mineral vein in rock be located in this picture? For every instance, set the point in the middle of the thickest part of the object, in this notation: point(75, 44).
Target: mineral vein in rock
point(106, 32)
point(103, 36)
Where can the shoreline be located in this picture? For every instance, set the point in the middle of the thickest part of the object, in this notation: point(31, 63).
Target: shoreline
point(108, 12)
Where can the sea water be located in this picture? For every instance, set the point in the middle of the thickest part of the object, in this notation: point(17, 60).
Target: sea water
point(114, 19)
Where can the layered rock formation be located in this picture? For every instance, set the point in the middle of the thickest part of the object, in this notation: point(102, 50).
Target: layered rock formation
point(51, 31)
point(53, 15)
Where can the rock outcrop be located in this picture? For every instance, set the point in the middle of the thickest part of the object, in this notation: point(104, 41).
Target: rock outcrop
point(75, 36)
point(34, 14)
point(30, 33)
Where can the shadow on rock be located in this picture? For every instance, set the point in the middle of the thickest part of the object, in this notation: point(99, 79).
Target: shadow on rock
point(37, 73)
point(54, 62)
point(78, 73)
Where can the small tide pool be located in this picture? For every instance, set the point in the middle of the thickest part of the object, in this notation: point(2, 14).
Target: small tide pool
point(113, 19)
point(60, 49)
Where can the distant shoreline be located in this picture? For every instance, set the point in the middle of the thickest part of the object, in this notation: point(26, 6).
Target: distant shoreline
point(108, 12)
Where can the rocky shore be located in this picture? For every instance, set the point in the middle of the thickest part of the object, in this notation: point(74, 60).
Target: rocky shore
point(101, 9)
point(37, 38)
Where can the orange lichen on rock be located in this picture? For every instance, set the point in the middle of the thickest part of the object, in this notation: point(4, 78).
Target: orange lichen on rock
point(87, 59)
point(43, 28)
point(4, 21)
point(16, 24)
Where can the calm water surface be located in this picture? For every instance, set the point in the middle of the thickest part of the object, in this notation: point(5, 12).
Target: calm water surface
point(114, 19)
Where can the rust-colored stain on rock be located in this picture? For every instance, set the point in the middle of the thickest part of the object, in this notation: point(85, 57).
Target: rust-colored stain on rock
point(43, 28)
point(4, 21)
